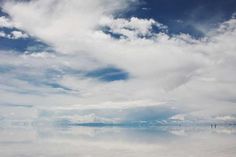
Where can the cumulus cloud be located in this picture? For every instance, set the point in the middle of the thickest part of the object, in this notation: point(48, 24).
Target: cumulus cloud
point(193, 74)
point(2, 34)
point(133, 28)
point(14, 35)
point(18, 35)
point(5, 22)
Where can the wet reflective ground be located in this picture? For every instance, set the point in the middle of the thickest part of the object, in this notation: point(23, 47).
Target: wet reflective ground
point(45, 141)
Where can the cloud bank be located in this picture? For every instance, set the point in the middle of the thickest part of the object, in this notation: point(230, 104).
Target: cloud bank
point(196, 76)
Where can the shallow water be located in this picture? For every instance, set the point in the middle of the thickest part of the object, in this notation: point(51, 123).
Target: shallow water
point(45, 141)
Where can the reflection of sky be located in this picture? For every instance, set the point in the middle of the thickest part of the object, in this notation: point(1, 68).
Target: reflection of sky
point(112, 141)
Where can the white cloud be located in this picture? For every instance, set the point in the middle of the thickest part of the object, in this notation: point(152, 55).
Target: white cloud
point(194, 74)
point(133, 28)
point(13, 35)
point(18, 35)
point(2, 34)
point(5, 22)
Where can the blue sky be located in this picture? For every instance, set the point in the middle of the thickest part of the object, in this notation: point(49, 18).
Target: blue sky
point(184, 15)
point(153, 60)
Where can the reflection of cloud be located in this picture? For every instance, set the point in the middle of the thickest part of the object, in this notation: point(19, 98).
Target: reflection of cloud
point(180, 132)
point(105, 142)
point(17, 135)
point(227, 131)
point(226, 118)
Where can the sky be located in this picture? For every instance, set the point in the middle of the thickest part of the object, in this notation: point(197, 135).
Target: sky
point(123, 61)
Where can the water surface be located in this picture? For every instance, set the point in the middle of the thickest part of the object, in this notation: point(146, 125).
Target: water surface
point(79, 141)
